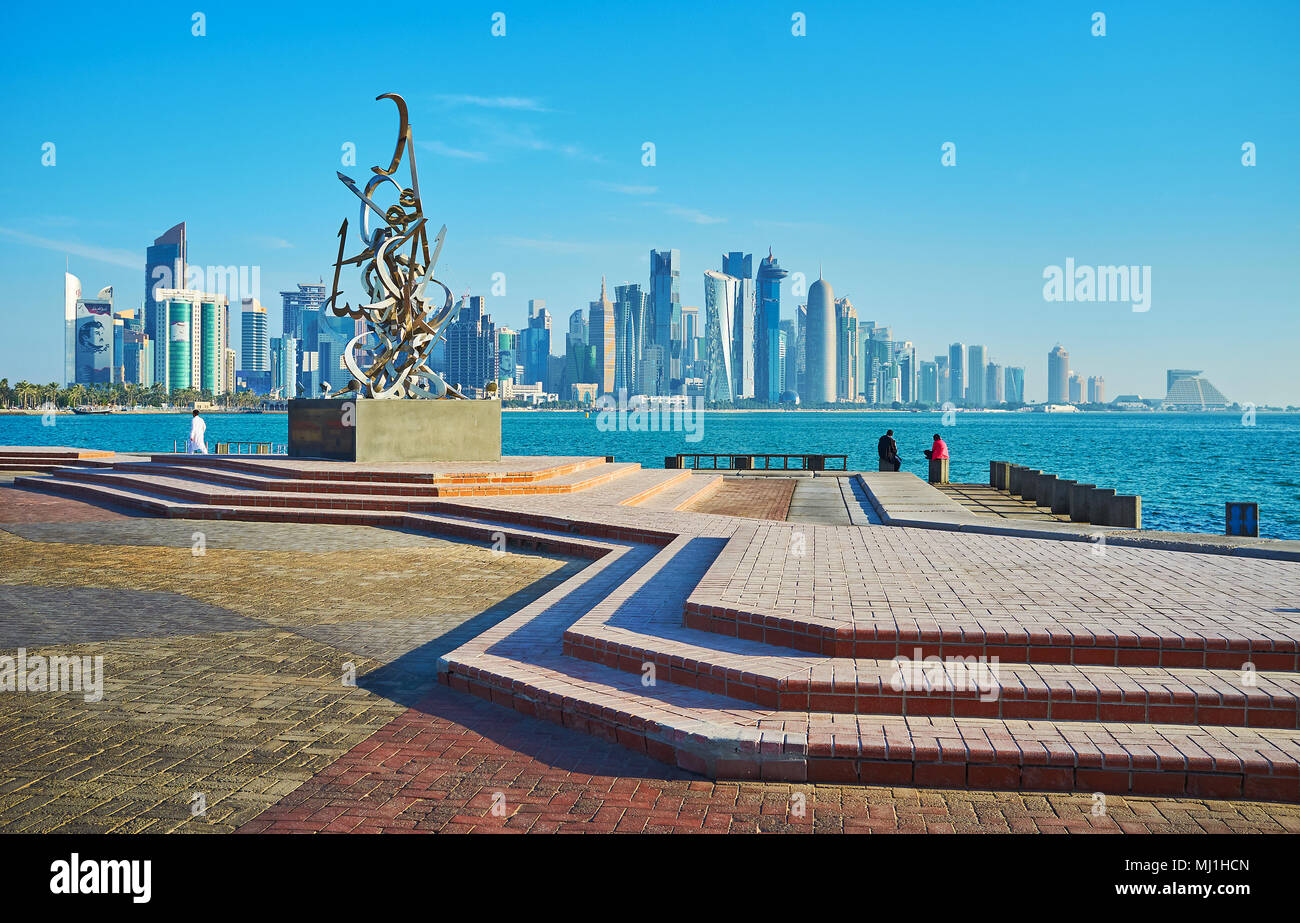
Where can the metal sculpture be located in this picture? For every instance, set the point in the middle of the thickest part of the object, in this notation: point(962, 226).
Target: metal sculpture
point(396, 268)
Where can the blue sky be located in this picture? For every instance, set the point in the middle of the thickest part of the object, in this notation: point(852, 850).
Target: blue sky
point(1123, 149)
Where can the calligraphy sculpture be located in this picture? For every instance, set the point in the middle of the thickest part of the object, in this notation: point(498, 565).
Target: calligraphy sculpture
point(396, 268)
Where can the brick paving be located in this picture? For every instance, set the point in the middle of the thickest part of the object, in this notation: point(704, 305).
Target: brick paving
point(746, 649)
point(754, 498)
point(989, 501)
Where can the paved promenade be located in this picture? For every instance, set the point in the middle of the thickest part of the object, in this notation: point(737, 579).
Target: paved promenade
point(725, 660)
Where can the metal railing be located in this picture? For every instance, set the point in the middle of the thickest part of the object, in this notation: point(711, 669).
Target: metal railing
point(750, 461)
point(239, 448)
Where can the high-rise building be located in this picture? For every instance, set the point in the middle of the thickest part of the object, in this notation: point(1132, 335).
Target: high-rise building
point(308, 297)
point(284, 367)
point(739, 266)
point(820, 346)
point(666, 309)
point(1096, 390)
point(1173, 375)
point(720, 293)
point(604, 336)
point(957, 373)
point(535, 343)
point(133, 362)
point(691, 334)
point(905, 356)
point(508, 356)
point(164, 267)
point(976, 375)
point(993, 385)
point(631, 310)
point(880, 355)
point(1192, 392)
point(1076, 388)
point(1058, 375)
point(254, 344)
point(472, 345)
point(94, 340)
point(191, 335)
point(846, 349)
point(768, 383)
point(71, 293)
point(943, 387)
point(1014, 378)
point(789, 377)
point(801, 351)
point(929, 382)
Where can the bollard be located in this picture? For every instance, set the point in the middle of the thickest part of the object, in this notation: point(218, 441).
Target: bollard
point(1079, 496)
point(938, 471)
point(1043, 492)
point(672, 461)
point(1028, 481)
point(995, 469)
point(1014, 474)
point(1099, 505)
point(1061, 495)
point(1125, 510)
point(885, 466)
point(742, 462)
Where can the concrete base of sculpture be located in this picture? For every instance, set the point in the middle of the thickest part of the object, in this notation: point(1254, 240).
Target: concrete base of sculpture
point(368, 430)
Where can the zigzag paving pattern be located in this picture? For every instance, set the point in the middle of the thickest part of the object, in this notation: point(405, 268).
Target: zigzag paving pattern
point(743, 649)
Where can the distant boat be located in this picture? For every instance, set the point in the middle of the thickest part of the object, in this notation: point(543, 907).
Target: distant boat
point(88, 410)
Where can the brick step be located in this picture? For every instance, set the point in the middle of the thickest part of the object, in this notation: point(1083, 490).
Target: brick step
point(695, 488)
point(725, 739)
point(1177, 647)
point(511, 469)
point(774, 678)
point(579, 479)
point(191, 491)
point(51, 452)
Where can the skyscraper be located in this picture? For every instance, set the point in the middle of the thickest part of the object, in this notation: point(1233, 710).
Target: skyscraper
point(191, 335)
point(472, 345)
point(95, 339)
point(929, 382)
point(1076, 388)
point(164, 267)
point(1058, 375)
point(284, 367)
point(739, 266)
point(631, 306)
point(790, 380)
point(603, 334)
point(508, 356)
point(720, 293)
point(535, 343)
point(820, 346)
point(1096, 390)
point(976, 375)
point(767, 375)
point(846, 349)
point(308, 297)
point(1014, 392)
point(993, 390)
point(801, 351)
point(942, 386)
point(254, 346)
point(71, 292)
point(957, 373)
point(666, 309)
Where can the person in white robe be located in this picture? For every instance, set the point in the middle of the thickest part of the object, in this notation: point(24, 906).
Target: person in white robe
point(196, 444)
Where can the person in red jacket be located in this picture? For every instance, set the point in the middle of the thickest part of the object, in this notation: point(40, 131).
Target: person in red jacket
point(939, 449)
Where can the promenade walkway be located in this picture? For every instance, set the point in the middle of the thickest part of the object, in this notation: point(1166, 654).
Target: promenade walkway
point(745, 649)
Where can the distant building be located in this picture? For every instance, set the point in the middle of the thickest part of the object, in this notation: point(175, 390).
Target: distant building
point(1058, 375)
point(846, 350)
point(307, 297)
point(957, 373)
point(768, 380)
point(801, 351)
point(535, 343)
point(507, 359)
point(1173, 375)
point(631, 312)
point(604, 336)
point(93, 359)
point(820, 344)
point(744, 335)
point(254, 342)
point(929, 382)
point(942, 387)
point(976, 375)
point(284, 367)
point(1014, 390)
point(164, 267)
point(1096, 390)
point(1192, 392)
point(666, 311)
point(789, 378)
point(1076, 388)
point(471, 345)
point(993, 385)
point(720, 293)
point(191, 335)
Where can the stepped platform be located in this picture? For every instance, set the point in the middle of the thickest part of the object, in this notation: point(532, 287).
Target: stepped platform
point(746, 648)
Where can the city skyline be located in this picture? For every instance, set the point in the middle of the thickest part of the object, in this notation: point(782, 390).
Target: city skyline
point(538, 173)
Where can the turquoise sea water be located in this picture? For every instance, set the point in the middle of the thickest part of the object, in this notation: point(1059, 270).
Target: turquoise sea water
point(1184, 465)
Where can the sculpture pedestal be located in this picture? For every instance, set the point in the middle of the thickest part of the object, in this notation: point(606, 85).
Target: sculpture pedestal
point(366, 430)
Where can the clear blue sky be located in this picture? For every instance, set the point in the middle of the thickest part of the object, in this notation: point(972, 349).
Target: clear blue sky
point(1122, 149)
